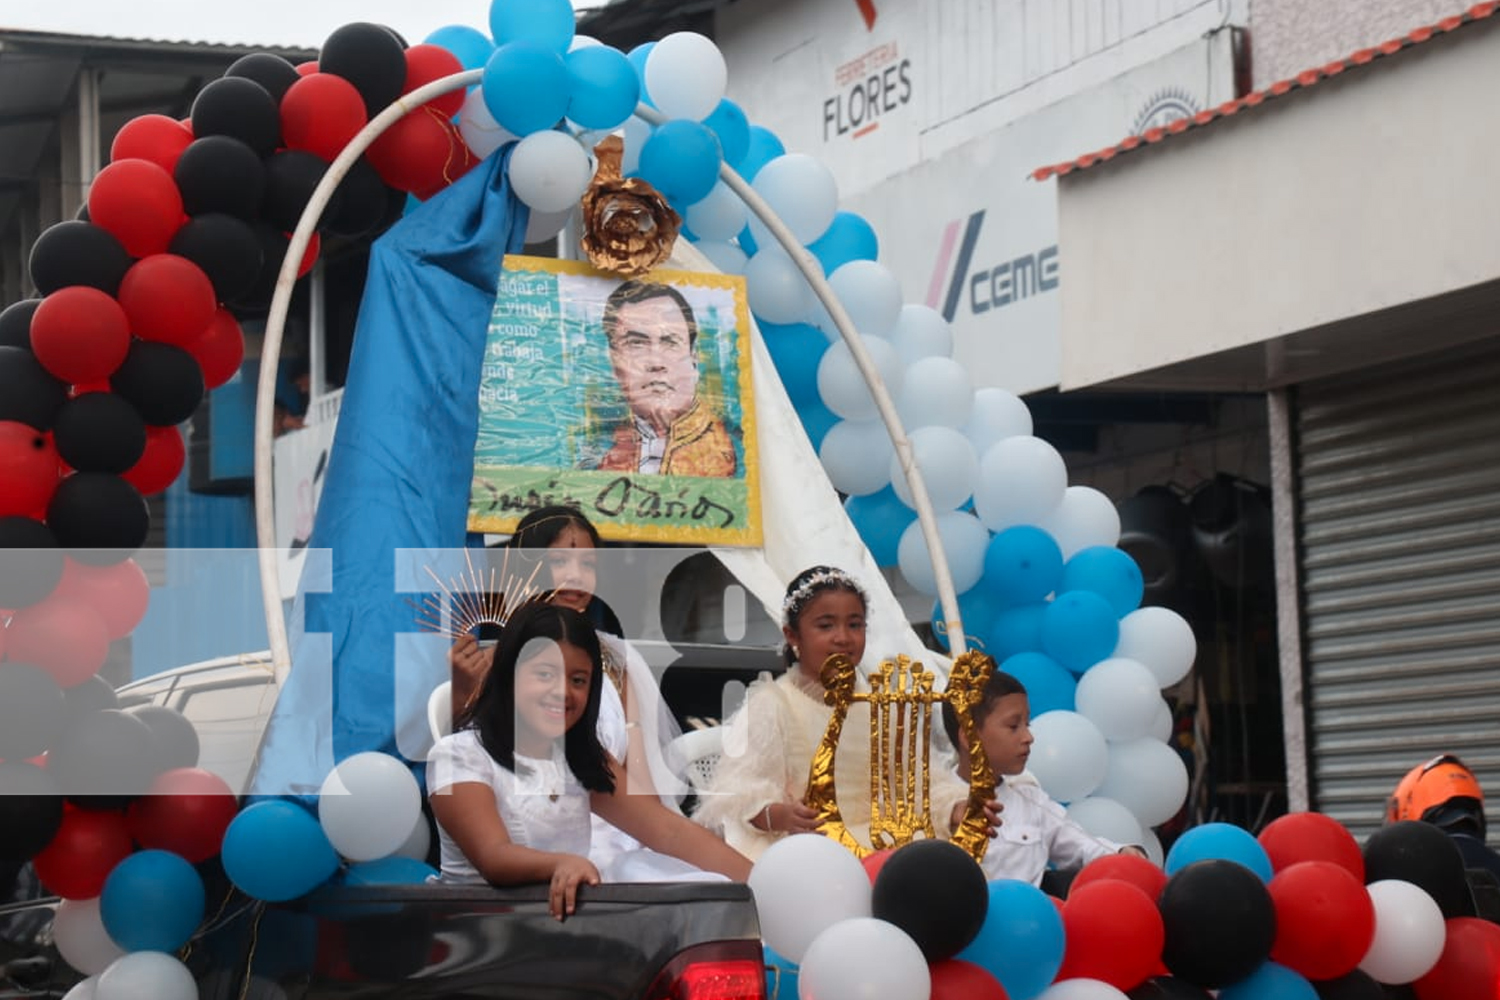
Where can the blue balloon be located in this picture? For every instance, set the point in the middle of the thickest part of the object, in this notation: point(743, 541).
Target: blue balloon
point(1108, 572)
point(1079, 629)
point(1219, 841)
point(763, 148)
point(395, 870)
point(1022, 565)
point(548, 23)
point(796, 348)
point(604, 88)
point(849, 237)
point(729, 123)
point(1021, 942)
point(1016, 630)
point(816, 421)
point(471, 46)
point(637, 57)
point(275, 850)
point(681, 160)
point(746, 240)
point(976, 606)
point(880, 518)
point(781, 976)
point(1049, 687)
point(526, 87)
point(1271, 982)
point(152, 901)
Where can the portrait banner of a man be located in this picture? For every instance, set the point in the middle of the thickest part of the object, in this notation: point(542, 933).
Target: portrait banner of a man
point(629, 399)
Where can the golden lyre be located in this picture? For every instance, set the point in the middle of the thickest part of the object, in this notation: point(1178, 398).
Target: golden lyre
point(901, 700)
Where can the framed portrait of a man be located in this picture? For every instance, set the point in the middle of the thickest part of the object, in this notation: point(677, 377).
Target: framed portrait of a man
point(629, 399)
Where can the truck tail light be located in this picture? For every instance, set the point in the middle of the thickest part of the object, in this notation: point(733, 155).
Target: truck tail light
point(722, 970)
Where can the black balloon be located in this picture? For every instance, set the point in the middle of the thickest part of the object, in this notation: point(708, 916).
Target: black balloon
point(108, 755)
point(99, 518)
point(273, 244)
point(291, 177)
point(1168, 988)
point(225, 248)
point(78, 253)
point(15, 322)
point(174, 741)
point(94, 695)
point(31, 564)
point(267, 69)
point(369, 56)
point(219, 173)
point(1355, 986)
point(239, 108)
point(361, 204)
point(1423, 855)
point(1219, 923)
point(31, 810)
point(28, 392)
point(163, 382)
point(99, 432)
point(933, 890)
point(31, 711)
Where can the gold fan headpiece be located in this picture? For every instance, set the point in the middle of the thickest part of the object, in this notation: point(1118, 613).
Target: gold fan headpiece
point(475, 598)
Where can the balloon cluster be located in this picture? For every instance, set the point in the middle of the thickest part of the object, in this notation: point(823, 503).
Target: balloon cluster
point(1296, 914)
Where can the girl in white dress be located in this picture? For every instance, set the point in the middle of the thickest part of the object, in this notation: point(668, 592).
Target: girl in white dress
point(513, 788)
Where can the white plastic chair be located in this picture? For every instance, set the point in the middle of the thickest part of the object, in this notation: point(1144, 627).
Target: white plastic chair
point(440, 710)
point(695, 755)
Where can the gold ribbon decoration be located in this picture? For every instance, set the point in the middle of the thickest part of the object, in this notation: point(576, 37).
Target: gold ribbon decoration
point(628, 227)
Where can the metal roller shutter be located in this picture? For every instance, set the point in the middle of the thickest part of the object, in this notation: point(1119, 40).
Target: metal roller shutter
point(1399, 510)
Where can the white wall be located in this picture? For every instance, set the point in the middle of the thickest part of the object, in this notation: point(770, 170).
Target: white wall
point(1289, 36)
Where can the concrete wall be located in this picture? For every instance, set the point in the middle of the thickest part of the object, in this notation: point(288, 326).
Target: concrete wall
point(1289, 36)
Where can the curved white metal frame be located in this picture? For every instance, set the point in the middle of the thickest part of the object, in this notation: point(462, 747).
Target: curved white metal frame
point(265, 394)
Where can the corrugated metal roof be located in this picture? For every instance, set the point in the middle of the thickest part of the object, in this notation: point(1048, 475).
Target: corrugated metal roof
point(14, 36)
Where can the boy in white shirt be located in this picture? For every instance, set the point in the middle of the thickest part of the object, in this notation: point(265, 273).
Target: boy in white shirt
point(1034, 830)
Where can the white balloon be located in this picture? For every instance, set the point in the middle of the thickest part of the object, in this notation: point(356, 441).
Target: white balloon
point(776, 289)
point(583, 42)
point(78, 931)
point(685, 75)
point(1409, 933)
point(948, 466)
point(718, 216)
point(869, 293)
point(841, 384)
point(998, 414)
point(418, 842)
point(802, 191)
point(1068, 755)
point(146, 975)
point(1162, 723)
point(1147, 777)
point(635, 133)
point(1152, 843)
point(481, 132)
point(84, 989)
point(1085, 518)
point(727, 257)
point(550, 171)
point(367, 805)
point(1162, 640)
point(963, 539)
point(1120, 696)
point(1021, 481)
point(803, 885)
point(1081, 989)
point(861, 959)
point(1106, 818)
point(935, 392)
point(856, 454)
point(921, 332)
point(545, 225)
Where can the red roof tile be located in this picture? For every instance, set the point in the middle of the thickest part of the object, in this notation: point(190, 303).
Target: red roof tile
point(1301, 81)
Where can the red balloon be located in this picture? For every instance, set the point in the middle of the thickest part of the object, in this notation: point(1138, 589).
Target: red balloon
point(1310, 836)
point(955, 979)
point(185, 811)
point(118, 594)
point(304, 68)
point(138, 202)
point(28, 469)
point(80, 334)
point(310, 255)
point(1123, 868)
point(320, 113)
point(220, 350)
point(426, 63)
point(421, 152)
point(1114, 934)
point(876, 861)
point(460, 162)
point(167, 299)
point(65, 638)
point(157, 138)
point(1324, 919)
point(162, 463)
point(1469, 968)
point(85, 849)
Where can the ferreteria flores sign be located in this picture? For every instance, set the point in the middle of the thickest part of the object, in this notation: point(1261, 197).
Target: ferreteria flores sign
point(866, 88)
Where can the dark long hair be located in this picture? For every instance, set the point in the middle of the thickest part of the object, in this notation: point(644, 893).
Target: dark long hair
point(493, 712)
point(540, 528)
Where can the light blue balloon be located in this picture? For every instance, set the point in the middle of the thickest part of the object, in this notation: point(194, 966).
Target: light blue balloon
point(469, 45)
point(733, 129)
point(1049, 687)
point(1079, 629)
point(880, 518)
point(604, 87)
point(796, 348)
point(1219, 841)
point(1022, 565)
point(1271, 982)
point(781, 976)
point(849, 237)
point(746, 240)
point(764, 147)
point(816, 419)
point(681, 160)
point(152, 901)
point(548, 23)
point(526, 87)
point(976, 606)
point(395, 870)
point(637, 57)
point(1016, 630)
point(275, 850)
point(1021, 942)
point(1108, 572)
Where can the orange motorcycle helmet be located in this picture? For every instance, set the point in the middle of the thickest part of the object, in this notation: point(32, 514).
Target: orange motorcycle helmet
point(1428, 787)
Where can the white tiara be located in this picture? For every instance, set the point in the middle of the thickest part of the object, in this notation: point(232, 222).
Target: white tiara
point(799, 595)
